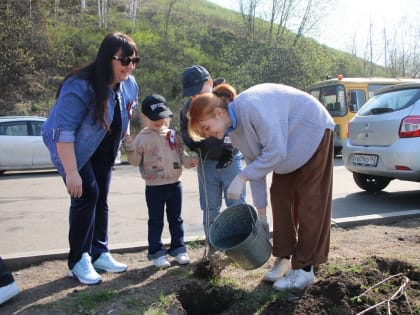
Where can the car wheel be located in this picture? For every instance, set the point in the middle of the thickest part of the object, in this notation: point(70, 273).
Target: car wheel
point(371, 183)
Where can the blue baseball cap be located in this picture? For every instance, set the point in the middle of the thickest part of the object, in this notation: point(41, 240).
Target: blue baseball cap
point(193, 80)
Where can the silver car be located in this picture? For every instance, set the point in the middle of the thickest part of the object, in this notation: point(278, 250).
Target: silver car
point(384, 138)
point(21, 145)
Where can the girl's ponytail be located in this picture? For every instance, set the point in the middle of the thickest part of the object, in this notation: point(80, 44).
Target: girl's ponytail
point(225, 91)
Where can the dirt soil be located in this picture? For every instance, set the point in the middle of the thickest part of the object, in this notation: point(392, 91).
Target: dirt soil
point(368, 265)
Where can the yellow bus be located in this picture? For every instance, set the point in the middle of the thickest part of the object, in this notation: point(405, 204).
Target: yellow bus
point(343, 97)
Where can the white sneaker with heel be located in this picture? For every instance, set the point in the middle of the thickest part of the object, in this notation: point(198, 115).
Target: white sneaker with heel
point(83, 270)
point(281, 267)
point(8, 291)
point(182, 259)
point(105, 262)
point(161, 262)
point(295, 279)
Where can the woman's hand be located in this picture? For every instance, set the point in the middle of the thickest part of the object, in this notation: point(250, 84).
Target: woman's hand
point(73, 180)
point(74, 184)
point(236, 187)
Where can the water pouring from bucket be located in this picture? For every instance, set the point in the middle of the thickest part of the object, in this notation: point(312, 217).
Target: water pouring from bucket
point(237, 232)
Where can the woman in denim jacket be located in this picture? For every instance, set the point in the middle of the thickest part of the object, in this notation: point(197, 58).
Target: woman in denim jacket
point(83, 133)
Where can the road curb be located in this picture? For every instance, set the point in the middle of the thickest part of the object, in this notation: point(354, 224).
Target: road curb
point(19, 261)
point(24, 260)
point(385, 218)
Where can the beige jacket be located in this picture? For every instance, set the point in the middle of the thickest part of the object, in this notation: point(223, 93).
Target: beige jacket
point(159, 158)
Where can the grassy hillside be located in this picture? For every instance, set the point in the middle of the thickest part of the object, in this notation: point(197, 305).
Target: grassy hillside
point(171, 35)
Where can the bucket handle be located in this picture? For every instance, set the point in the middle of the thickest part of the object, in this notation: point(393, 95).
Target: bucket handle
point(254, 226)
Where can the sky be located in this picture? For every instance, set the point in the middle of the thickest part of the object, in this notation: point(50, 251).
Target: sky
point(349, 19)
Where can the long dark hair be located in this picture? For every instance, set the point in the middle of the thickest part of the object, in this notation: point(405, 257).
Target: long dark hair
point(99, 72)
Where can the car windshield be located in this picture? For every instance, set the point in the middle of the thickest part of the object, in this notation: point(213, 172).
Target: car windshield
point(390, 102)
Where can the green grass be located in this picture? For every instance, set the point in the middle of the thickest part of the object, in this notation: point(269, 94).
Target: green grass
point(85, 302)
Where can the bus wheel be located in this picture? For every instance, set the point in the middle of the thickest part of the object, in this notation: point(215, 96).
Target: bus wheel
point(371, 183)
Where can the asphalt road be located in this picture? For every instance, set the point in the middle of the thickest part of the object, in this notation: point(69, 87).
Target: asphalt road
point(34, 208)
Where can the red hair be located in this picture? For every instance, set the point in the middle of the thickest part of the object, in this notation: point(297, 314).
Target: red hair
point(202, 108)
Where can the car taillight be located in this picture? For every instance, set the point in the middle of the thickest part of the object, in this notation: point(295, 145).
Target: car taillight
point(410, 127)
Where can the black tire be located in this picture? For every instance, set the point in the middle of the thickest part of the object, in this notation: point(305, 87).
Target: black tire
point(371, 183)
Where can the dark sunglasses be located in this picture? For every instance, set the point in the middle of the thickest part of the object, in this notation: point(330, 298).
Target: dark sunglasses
point(125, 61)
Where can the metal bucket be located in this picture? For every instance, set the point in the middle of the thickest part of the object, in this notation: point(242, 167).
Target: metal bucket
point(237, 232)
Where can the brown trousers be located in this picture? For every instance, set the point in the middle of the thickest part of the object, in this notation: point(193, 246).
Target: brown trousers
point(301, 206)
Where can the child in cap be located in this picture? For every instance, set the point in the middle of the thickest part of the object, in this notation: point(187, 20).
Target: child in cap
point(159, 153)
point(219, 162)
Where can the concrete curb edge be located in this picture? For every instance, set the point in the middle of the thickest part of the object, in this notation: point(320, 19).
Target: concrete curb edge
point(25, 260)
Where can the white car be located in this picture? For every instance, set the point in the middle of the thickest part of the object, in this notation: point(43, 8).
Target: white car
point(21, 145)
point(384, 138)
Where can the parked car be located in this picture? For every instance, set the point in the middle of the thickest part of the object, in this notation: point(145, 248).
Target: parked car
point(21, 145)
point(384, 138)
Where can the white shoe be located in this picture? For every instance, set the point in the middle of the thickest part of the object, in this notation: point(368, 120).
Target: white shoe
point(83, 270)
point(281, 267)
point(8, 291)
point(182, 259)
point(161, 262)
point(105, 262)
point(295, 279)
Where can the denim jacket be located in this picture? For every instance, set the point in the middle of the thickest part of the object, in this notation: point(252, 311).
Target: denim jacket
point(72, 118)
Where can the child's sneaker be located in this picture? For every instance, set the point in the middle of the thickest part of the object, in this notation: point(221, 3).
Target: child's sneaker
point(182, 259)
point(161, 262)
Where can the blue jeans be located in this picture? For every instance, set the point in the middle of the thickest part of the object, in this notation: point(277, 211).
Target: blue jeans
point(213, 184)
point(156, 198)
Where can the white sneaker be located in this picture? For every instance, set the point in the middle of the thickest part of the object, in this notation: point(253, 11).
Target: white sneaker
point(83, 270)
point(281, 267)
point(8, 291)
point(182, 259)
point(105, 262)
point(161, 262)
point(295, 279)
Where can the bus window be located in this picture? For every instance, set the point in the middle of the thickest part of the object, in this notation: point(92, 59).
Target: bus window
point(357, 99)
point(332, 97)
point(372, 88)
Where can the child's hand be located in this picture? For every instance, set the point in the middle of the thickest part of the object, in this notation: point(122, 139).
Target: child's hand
point(194, 161)
point(193, 158)
point(128, 144)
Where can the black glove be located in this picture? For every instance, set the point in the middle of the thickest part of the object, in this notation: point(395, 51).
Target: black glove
point(226, 158)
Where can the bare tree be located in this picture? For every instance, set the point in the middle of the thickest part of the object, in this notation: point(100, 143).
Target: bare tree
point(370, 46)
point(385, 39)
point(312, 14)
point(103, 13)
point(133, 13)
point(278, 16)
point(248, 9)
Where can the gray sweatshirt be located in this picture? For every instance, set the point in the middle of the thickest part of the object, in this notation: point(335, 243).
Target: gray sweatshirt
point(278, 129)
